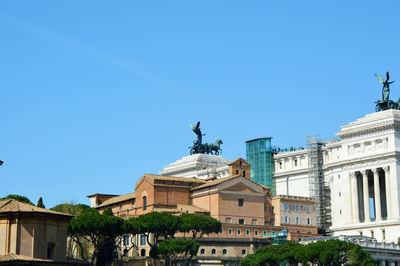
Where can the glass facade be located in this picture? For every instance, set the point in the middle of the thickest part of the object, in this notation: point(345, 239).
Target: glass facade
point(259, 156)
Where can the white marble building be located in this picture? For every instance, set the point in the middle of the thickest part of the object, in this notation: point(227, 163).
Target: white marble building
point(362, 172)
point(291, 173)
point(198, 165)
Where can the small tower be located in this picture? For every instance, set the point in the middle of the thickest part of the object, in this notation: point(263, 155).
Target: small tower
point(239, 167)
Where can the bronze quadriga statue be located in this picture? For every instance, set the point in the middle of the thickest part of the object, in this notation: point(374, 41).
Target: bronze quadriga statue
point(206, 148)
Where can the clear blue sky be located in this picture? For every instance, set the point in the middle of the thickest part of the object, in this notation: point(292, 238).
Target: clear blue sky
point(96, 93)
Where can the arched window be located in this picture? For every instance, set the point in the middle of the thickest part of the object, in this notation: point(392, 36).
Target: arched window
point(144, 203)
point(143, 252)
point(213, 252)
point(202, 252)
point(243, 252)
point(224, 252)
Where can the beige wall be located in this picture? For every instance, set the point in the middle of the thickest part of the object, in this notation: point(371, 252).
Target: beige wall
point(30, 235)
point(171, 195)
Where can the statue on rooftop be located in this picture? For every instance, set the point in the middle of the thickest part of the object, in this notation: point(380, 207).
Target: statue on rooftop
point(386, 103)
point(206, 148)
point(386, 84)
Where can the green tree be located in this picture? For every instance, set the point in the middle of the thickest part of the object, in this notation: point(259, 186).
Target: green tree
point(19, 198)
point(40, 203)
point(199, 225)
point(330, 252)
point(108, 211)
point(274, 255)
point(100, 230)
point(161, 224)
point(171, 249)
point(74, 209)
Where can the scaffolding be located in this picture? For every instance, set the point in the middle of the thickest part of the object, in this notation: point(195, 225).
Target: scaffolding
point(319, 189)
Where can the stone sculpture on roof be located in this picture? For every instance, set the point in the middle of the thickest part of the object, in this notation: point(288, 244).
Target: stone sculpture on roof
point(386, 103)
point(206, 148)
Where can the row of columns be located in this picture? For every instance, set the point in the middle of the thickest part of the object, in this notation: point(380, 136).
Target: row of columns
point(365, 194)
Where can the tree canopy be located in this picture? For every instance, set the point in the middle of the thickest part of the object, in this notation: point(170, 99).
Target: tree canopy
point(99, 229)
point(74, 209)
point(199, 225)
point(330, 253)
point(19, 198)
point(173, 248)
point(160, 224)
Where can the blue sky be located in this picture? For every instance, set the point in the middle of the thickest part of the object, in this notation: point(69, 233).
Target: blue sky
point(96, 93)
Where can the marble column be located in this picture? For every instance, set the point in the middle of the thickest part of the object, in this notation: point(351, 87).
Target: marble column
point(366, 196)
point(377, 196)
point(387, 192)
point(354, 198)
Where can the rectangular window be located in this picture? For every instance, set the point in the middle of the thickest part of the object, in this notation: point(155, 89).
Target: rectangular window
point(287, 220)
point(307, 208)
point(297, 207)
point(295, 162)
point(286, 207)
point(145, 203)
point(241, 221)
point(297, 220)
point(126, 240)
point(383, 234)
point(228, 220)
point(308, 221)
point(254, 221)
point(240, 202)
point(143, 240)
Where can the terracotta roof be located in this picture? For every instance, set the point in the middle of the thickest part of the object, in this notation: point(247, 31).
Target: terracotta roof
point(182, 208)
point(221, 180)
point(174, 178)
point(216, 182)
point(91, 195)
point(117, 199)
point(14, 206)
point(294, 198)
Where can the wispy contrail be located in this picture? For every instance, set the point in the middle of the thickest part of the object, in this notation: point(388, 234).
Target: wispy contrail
point(73, 45)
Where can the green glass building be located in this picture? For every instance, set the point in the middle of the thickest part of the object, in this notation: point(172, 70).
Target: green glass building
point(259, 156)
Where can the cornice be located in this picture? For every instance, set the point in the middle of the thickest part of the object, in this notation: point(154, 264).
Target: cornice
point(360, 162)
point(368, 129)
point(365, 225)
point(292, 172)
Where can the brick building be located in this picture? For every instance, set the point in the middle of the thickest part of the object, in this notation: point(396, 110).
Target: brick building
point(244, 208)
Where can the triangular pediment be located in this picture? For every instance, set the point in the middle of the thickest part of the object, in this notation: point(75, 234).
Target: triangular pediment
point(240, 184)
point(240, 187)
